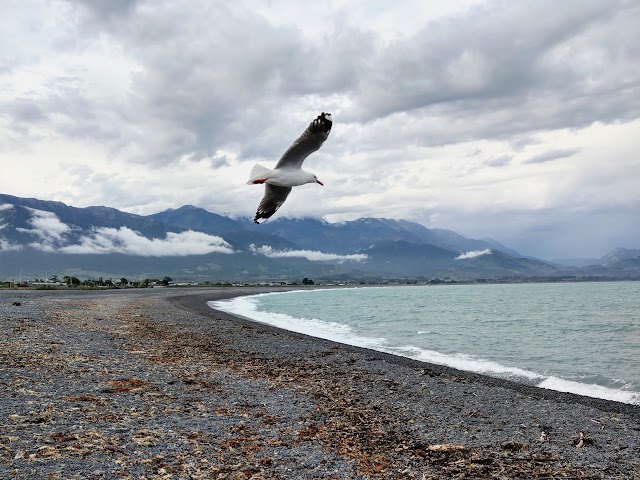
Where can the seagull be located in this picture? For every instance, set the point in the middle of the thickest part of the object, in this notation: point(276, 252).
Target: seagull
point(288, 172)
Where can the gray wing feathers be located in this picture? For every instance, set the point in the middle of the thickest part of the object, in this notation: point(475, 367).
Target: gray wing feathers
point(310, 141)
point(274, 197)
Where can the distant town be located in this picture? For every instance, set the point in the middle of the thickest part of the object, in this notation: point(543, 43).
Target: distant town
point(100, 283)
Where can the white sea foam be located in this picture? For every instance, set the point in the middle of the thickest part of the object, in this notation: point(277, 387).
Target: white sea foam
point(337, 332)
point(589, 390)
point(465, 362)
point(343, 333)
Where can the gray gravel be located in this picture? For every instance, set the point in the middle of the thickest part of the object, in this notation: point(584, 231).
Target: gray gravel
point(155, 384)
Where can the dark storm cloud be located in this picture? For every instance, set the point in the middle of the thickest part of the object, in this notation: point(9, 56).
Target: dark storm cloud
point(515, 68)
point(212, 74)
point(217, 76)
point(105, 10)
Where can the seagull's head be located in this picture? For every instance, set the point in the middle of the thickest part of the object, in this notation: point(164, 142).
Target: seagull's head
point(311, 178)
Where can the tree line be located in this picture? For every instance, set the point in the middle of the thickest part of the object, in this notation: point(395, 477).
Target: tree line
point(72, 281)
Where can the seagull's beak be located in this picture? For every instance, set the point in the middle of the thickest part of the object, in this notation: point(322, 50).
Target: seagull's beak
point(318, 181)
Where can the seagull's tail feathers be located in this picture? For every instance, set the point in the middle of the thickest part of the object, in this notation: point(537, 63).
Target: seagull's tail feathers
point(259, 174)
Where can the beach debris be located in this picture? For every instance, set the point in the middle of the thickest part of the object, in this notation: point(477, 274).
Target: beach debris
point(206, 407)
point(446, 447)
point(583, 439)
point(15, 418)
point(514, 446)
point(126, 385)
point(145, 437)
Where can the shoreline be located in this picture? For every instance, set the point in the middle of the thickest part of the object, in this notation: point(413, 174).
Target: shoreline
point(159, 384)
point(567, 397)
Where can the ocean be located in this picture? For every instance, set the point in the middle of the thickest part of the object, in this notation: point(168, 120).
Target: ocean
point(582, 337)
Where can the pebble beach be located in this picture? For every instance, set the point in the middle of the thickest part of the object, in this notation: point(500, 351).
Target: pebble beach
point(154, 384)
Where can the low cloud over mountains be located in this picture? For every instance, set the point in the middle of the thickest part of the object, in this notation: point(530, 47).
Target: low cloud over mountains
point(54, 236)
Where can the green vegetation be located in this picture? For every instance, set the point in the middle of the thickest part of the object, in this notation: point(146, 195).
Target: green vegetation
point(71, 281)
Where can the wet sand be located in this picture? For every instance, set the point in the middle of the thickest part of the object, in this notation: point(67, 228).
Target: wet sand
point(155, 384)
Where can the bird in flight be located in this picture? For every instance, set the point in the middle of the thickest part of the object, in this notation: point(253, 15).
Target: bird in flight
point(288, 172)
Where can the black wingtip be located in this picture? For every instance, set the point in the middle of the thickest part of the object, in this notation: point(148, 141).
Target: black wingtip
point(324, 119)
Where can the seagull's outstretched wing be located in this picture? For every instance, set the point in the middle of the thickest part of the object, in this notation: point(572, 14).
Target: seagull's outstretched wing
point(273, 199)
point(310, 141)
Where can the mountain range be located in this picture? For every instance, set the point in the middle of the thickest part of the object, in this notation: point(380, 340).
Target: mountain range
point(40, 238)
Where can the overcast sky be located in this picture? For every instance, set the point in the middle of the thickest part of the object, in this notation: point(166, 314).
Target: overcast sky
point(514, 120)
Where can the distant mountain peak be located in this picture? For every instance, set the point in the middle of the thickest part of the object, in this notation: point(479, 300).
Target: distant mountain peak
point(619, 254)
point(100, 240)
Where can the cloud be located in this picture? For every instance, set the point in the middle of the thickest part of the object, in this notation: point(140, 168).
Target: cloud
point(511, 87)
point(115, 103)
point(6, 246)
point(473, 254)
point(5, 206)
point(314, 256)
point(499, 161)
point(553, 155)
point(223, 85)
point(126, 241)
point(105, 9)
point(47, 227)
point(53, 234)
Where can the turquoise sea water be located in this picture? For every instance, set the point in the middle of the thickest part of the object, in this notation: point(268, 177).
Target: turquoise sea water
point(577, 337)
